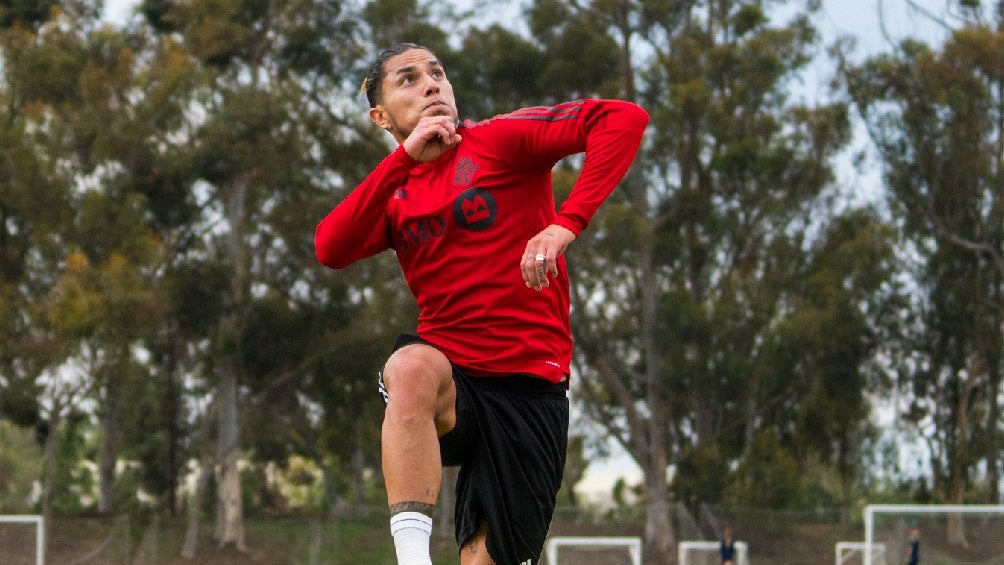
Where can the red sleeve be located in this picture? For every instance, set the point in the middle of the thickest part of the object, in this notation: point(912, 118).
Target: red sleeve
point(608, 131)
point(357, 227)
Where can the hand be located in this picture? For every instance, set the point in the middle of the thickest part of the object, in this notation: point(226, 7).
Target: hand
point(433, 136)
point(551, 242)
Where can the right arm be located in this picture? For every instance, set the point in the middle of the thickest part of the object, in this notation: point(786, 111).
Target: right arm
point(357, 227)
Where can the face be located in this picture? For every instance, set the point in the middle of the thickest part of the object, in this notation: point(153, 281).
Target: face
point(414, 86)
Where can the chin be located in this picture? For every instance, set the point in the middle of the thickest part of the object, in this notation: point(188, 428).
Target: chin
point(441, 111)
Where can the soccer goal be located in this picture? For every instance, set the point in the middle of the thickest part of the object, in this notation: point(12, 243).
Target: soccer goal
point(590, 549)
point(707, 553)
point(847, 550)
point(13, 542)
point(947, 533)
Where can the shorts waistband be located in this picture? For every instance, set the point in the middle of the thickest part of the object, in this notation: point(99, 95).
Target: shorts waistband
point(526, 384)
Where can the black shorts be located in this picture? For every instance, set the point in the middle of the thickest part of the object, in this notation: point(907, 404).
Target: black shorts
point(509, 441)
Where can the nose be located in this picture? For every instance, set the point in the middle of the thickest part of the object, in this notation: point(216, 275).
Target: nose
point(431, 85)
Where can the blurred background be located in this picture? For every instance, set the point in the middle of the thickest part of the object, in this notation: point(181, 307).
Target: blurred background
point(790, 308)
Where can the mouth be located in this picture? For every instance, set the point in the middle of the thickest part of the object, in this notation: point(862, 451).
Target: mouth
point(435, 104)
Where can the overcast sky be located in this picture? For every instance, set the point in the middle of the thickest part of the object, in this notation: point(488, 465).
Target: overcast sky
point(857, 17)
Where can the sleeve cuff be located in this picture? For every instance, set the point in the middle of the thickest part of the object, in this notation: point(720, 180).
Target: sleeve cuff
point(569, 224)
point(401, 155)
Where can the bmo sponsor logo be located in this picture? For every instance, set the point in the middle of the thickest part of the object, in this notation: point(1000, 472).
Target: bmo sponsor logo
point(475, 209)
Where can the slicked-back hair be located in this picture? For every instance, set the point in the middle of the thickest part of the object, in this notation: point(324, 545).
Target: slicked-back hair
point(377, 70)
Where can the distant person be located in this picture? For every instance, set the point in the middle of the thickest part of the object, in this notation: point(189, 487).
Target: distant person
point(728, 548)
point(913, 550)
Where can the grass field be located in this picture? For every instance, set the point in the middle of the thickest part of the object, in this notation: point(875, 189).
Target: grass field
point(362, 540)
point(774, 538)
point(277, 541)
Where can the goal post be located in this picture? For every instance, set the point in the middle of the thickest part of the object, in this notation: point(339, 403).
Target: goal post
point(992, 520)
point(687, 552)
point(39, 532)
point(631, 544)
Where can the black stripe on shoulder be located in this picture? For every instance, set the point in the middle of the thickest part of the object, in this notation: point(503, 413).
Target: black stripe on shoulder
point(567, 111)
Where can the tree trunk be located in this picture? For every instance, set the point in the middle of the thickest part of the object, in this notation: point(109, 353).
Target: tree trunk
point(196, 498)
point(332, 500)
point(994, 444)
point(230, 515)
point(989, 346)
point(111, 421)
point(169, 419)
point(958, 463)
point(49, 478)
point(658, 529)
point(447, 500)
point(956, 526)
point(358, 469)
point(195, 509)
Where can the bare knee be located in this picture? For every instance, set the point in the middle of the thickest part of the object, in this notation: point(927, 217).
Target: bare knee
point(419, 381)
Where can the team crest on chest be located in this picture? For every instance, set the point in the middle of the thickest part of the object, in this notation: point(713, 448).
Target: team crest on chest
point(464, 173)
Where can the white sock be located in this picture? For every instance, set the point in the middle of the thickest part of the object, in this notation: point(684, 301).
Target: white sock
point(411, 531)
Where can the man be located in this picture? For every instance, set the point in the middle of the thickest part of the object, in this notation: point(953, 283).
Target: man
point(913, 548)
point(468, 209)
point(727, 548)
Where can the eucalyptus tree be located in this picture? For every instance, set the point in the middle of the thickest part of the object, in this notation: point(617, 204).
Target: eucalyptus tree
point(688, 277)
point(88, 276)
point(263, 118)
point(935, 115)
point(132, 95)
point(33, 207)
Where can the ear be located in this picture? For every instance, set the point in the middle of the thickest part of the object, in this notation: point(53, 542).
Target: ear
point(379, 117)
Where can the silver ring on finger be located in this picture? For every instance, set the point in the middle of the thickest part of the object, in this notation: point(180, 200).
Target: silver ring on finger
point(540, 257)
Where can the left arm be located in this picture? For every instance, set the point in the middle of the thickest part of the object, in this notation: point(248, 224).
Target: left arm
point(610, 133)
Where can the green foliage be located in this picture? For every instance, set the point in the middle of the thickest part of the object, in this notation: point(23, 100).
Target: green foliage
point(702, 476)
point(768, 478)
point(568, 37)
point(21, 463)
point(24, 12)
point(928, 111)
point(19, 400)
point(44, 72)
point(495, 72)
point(575, 468)
point(737, 338)
point(74, 484)
point(394, 21)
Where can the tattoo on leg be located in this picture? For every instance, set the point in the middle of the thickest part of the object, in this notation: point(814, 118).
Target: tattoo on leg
point(477, 539)
point(412, 506)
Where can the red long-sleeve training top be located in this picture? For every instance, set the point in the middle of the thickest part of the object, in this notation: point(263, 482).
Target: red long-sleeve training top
point(459, 225)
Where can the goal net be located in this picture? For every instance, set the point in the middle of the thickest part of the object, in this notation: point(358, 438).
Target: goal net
point(708, 553)
point(22, 540)
point(566, 550)
point(852, 553)
point(968, 533)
